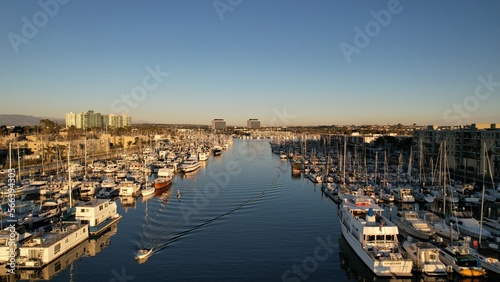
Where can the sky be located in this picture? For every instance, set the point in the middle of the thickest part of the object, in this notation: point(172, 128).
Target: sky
point(284, 62)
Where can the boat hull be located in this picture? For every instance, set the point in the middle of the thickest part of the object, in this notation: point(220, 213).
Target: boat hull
point(388, 268)
point(411, 231)
point(161, 183)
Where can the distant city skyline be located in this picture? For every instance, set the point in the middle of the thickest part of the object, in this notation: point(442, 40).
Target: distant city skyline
point(285, 63)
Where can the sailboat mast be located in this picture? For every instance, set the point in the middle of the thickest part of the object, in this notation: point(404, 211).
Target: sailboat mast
point(18, 164)
point(10, 156)
point(343, 160)
point(70, 190)
point(85, 157)
point(443, 165)
point(420, 160)
point(410, 165)
point(484, 187)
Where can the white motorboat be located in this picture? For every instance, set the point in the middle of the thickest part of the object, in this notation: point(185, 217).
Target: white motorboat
point(468, 225)
point(372, 236)
point(403, 195)
point(203, 156)
point(148, 190)
point(425, 257)
point(144, 254)
point(413, 225)
point(129, 188)
point(488, 263)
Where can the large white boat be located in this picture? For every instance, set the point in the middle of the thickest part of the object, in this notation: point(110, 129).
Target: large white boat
point(372, 236)
point(439, 225)
point(425, 257)
point(99, 214)
point(403, 195)
point(190, 164)
point(109, 189)
point(89, 188)
point(148, 190)
point(166, 171)
point(41, 250)
point(468, 225)
point(129, 188)
point(413, 225)
point(47, 211)
point(11, 238)
point(458, 257)
point(492, 225)
point(203, 156)
point(489, 263)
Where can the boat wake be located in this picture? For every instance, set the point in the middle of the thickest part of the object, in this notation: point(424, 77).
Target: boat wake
point(198, 226)
point(164, 219)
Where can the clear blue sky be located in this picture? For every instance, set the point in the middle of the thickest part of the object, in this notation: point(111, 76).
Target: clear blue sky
point(276, 60)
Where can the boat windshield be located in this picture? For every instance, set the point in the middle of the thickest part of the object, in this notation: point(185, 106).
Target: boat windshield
point(411, 216)
point(467, 261)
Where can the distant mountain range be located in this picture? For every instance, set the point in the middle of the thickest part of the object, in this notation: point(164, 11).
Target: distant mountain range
point(25, 120)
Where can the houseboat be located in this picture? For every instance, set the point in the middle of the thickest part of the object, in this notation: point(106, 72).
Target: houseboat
point(99, 214)
point(39, 251)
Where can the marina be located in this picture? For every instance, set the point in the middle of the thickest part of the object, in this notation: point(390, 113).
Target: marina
point(160, 226)
point(232, 140)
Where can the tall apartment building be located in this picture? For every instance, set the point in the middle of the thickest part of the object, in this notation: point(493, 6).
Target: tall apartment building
point(465, 147)
point(90, 119)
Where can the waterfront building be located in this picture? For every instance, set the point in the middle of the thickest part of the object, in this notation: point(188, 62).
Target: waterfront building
point(465, 147)
point(90, 119)
point(218, 124)
point(253, 123)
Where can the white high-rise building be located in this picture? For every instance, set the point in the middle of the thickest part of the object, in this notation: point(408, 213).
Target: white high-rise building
point(253, 123)
point(218, 124)
point(90, 119)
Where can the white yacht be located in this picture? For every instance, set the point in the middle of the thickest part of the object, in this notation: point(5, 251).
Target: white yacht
point(468, 225)
point(129, 188)
point(108, 190)
point(89, 188)
point(439, 226)
point(403, 195)
point(425, 257)
point(11, 238)
point(202, 156)
point(372, 236)
point(190, 164)
point(413, 225)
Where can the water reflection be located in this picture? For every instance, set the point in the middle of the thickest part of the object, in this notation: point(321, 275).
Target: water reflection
point(127, 202)
point(90, 247)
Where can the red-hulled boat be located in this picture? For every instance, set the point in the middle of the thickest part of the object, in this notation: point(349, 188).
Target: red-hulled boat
point(162, 182)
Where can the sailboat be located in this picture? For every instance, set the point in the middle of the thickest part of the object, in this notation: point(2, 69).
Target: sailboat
point(440, 226)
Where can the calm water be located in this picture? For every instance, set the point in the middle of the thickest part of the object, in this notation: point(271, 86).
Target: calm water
point(241, 217)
